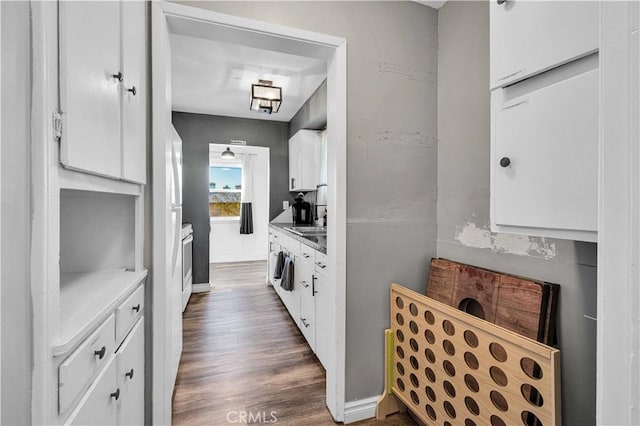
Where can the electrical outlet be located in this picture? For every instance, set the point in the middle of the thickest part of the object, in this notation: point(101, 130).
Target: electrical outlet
point(285, 205)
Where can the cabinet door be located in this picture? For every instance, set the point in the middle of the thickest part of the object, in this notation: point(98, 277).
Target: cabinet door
point(308, 315)
point(295, 164)
point(550, 137)
point(130, 377)
point(324, 320)
point(99, 405)
point(89, 92)
point(527, 37)
point(311, 159)
point(134, 91)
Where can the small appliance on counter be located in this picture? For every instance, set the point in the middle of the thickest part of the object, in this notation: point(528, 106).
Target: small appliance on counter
point(302, 211)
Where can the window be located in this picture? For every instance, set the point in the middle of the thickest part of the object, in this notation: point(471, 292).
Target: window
point(225, 187)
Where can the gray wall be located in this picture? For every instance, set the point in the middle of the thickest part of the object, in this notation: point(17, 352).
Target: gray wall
point(197, 131)
point(391, 157)
point(313, 114)
point(16, 226)
point(463, 204)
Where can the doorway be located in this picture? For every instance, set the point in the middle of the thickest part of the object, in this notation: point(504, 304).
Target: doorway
point(177, 19)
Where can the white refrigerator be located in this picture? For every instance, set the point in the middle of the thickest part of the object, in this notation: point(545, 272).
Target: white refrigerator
point(174, 173)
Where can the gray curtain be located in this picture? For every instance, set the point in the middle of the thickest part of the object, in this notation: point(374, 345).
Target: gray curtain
point(246, 218)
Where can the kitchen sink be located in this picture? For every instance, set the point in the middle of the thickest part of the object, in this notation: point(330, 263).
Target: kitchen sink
point(307, 230)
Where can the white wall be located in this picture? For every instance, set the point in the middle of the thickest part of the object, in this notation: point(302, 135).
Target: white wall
point(16, 206)
point(226, 242)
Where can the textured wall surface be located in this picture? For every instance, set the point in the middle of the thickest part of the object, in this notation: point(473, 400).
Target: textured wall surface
point(463, 205)
point(197, 131)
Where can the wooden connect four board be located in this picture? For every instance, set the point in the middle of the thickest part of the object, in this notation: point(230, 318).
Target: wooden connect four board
point(450, 368)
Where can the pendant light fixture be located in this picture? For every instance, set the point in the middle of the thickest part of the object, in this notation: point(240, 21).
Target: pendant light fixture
point(228, 154)
point(265, 97)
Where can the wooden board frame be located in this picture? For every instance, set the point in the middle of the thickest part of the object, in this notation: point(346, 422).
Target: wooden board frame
point(448, 366)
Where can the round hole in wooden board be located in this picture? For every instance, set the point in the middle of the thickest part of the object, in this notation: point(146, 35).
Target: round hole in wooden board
point(399, 302)
point(431, 376)
point(414, 381)
point(498, 352)
point(400, 352)
point(400, 368)
point(399, 319)
point(414, 362)
point(448, 347)
point(496, 421)
point(413, 327)
point(449, 368)
point(471, 383)
point(498, 376)
point(472, 307)
point(471, 360)
point(472, 405)
point(448, 327)
point(400, 384)
point(530, 419)
point(414, 397)
point(414, 345)
point(431, 357)
point(400, 336)
point(499, 400)
point(448, 408)
point(449, 388)
point(430, 412)
point(469, 422)
point(531, 368)
point(413, 309)
point(429, 318)
point(431, 338)
point(532, 395)
point(431, 394)
point(471, 338)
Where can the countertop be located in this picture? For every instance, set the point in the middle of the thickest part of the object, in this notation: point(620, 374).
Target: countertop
point(316, 242)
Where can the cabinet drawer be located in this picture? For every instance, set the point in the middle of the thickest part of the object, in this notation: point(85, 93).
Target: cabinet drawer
point(128, 313)
point(307, 253)
point(98, 407)
point(550, 136)
point(321, 263)
point(308, 318)
point(130, 376)
point(75, 373)
point(529, 37)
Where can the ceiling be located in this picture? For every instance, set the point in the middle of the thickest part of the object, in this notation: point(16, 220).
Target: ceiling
point(212, 77)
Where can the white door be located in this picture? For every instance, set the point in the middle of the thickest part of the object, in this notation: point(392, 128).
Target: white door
point(90, 77)
point(134, 91)
point(130, 377)
point(295, 165)
point(528, 37)
point(311, 148)
point(550, 138)
point(175, 280)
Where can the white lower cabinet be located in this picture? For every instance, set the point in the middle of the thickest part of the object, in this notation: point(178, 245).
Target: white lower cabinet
point(99, 404)
point(116, 395)
point(130, 377)
point(311, 301)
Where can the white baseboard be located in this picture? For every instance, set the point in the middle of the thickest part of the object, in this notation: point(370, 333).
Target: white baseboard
point(201, 288)
point(361, 409)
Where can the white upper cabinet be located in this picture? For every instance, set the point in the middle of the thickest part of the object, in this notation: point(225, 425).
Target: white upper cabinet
point(546, 160)
point(528, 37)
point(102, 60)
point(304, 160)
point(134, 99)
point(90, 86)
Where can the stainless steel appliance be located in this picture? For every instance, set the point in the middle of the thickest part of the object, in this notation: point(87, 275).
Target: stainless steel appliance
point(187, 263)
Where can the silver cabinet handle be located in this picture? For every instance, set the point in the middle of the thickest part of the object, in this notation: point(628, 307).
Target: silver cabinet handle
point(118, 76)
point(304, 284)
point(132, 90)
point(313, 285)
point(501, 1)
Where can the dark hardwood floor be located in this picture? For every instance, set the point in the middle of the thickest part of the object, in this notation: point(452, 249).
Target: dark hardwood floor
point(242, 353)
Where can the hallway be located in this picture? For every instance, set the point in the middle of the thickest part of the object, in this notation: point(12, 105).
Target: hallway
point(243, 354)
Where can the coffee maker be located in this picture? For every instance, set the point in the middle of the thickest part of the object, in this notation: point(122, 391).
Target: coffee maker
point(302, 214)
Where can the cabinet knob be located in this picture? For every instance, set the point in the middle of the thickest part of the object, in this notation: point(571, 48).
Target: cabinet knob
point(129, 374)
point(118, 76)
point(136, 308)
point(115, 394)
point(304, 322)
point(132, 90)
point(501, 1)
point(505, 162)
point(304, 284)
point(100, 353)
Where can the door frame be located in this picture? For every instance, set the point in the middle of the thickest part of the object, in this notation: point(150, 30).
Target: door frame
point(256, 34)
point(618, 326)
